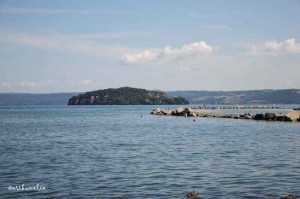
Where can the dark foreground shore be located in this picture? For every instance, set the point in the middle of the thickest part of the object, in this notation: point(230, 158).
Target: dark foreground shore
point(194, 194)
point(194, 112)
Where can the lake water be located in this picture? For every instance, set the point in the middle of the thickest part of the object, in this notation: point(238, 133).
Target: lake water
point(113, 152)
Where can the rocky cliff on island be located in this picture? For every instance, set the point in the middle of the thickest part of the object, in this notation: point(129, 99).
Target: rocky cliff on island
point(125, 96)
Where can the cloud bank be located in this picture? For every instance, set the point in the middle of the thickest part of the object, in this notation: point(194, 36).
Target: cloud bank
point(275, 48)
point(27, 84)
point(168, 53)
point(87, 45)
point(69, 44)
point(83, 84)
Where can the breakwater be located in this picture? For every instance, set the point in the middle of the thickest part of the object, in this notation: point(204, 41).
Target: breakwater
point(204, 107)
point(192, 112)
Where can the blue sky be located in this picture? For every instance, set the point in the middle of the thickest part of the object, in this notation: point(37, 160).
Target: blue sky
point(62, 46)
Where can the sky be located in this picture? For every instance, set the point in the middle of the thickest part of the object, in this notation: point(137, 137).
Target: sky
point(51, 46)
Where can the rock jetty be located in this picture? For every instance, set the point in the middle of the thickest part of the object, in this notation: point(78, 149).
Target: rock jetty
point(241, 107)
point(190, 112)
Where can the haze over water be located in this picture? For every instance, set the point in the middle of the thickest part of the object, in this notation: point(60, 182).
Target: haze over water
point(113, 152)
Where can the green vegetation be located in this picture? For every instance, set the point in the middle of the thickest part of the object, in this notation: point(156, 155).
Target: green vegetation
point(125, 96)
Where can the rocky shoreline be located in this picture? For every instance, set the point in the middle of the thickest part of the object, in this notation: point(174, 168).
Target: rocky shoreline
point(204, 107)
point(192, 112)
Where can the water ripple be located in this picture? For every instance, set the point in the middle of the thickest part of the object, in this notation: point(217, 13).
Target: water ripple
point(111, 152)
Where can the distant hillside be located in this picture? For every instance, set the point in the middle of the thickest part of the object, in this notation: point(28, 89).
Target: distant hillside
point(287, 96)
point(267, 96)
point(125, 96)
point(24, 99)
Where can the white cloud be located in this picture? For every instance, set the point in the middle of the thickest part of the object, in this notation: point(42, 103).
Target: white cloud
point(27, 84)
point(33, 84)
point(142, 57)
point(167, 53)
point(86, 83)
point(7, 84)
point(275, 48)
point(184, 69)
point(197, 47)
point(292, 46)
point(83, 84)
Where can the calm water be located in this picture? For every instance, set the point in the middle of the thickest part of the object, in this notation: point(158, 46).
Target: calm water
point(112, 152)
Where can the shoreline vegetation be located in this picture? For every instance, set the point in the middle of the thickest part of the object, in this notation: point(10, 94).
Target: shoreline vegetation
point(194, 112)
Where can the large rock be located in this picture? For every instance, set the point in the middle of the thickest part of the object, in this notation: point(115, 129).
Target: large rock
point(279, 116)
point(183, 111)
point(192, 114)
point(246, 116)
point(200, 114)
point(270, 116)
point(259, 116)
point(156, 111)
point(187, 110)
point(166, 112)
point(191, 194)
point(221, 115)
point(288, 197)
point(236, 116)
point(291, 116)
point(179, 111)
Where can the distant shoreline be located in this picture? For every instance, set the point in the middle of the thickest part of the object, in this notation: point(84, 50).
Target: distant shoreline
point(248, 97)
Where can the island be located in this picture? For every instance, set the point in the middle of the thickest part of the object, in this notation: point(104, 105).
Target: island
point(126, 96)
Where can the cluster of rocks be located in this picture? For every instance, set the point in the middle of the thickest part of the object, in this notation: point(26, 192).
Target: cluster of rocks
point(175, 112)
point(189, 112)
point(288, 197)
point(292, 116)
point(296, 109)
point(240, 107)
